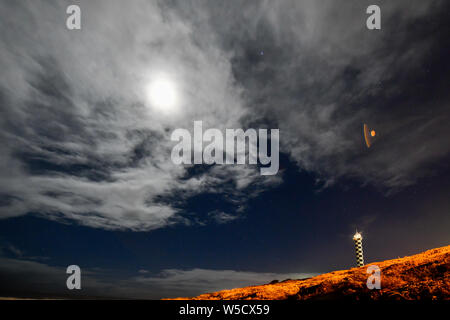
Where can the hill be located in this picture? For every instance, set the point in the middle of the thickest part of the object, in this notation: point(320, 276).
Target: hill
point(421, 276)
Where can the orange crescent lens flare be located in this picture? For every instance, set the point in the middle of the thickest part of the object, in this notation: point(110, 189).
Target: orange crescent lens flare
point(368, 135)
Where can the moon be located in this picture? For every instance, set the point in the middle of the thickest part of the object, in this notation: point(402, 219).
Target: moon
point(162, 95)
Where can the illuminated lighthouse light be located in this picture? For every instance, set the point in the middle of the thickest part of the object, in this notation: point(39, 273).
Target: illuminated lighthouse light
point(359, 249)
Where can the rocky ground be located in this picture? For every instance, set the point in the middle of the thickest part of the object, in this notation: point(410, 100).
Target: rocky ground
point(421, 276)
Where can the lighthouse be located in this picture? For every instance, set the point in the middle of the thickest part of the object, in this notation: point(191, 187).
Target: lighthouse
point(359, 249)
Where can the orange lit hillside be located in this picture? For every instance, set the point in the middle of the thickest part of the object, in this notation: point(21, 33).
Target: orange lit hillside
point(422, 276)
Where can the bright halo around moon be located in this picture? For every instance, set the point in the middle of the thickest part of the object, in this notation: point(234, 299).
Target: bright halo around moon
point(162, 95)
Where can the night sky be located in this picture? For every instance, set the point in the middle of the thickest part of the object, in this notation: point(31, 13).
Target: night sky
point(86, 176)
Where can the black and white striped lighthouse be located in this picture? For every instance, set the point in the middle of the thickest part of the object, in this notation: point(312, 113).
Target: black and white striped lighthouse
point(359, 249)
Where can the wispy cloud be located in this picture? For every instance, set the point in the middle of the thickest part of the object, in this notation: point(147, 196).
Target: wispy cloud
point(323, 75)
point(222, 217)
point(79, 142)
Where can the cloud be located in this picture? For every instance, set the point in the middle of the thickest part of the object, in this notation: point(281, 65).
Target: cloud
point(143, 271)
point(24, 278)
point(222, 217)
point(11, 249)
point(323, 75)
point(80, 141)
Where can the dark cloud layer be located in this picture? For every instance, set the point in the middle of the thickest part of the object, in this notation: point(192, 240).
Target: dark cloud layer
point(28, 278)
